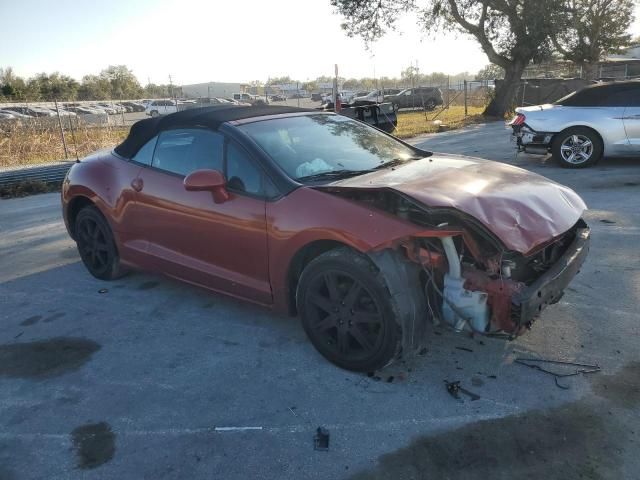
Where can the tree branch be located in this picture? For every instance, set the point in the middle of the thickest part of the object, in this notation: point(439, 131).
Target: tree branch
point(479, 32)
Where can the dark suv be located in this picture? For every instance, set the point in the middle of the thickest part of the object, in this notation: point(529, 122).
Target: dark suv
point(426, 98)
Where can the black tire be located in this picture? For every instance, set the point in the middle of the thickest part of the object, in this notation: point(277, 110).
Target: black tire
point(396, 107)
point(577, 147)
point(430, 105)
point(96, 244)
point(155, 113)
point(346, 311)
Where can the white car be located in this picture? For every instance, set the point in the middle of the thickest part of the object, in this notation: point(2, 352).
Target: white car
point(161, 107)
point(579, 129)
point(373, 96)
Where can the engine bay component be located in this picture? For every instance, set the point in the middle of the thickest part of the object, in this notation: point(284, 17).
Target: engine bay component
point(460, 306)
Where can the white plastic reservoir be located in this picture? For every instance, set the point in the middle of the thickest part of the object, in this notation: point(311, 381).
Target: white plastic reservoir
point(472, 305)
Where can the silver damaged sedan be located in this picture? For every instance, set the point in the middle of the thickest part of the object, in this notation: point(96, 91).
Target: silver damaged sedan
point(579, 129)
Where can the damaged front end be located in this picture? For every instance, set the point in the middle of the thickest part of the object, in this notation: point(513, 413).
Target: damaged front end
point(457, 271)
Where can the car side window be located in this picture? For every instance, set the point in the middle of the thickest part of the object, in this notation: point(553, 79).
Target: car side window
point(242, 175)
point(623, 96)
point(184, 151)
point(145, 154)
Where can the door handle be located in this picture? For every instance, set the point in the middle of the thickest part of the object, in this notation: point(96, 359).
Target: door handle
point(137, 184)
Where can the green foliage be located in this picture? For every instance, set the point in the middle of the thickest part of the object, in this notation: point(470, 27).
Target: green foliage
point(490, 72)
point(114, 82)
point(592, 28)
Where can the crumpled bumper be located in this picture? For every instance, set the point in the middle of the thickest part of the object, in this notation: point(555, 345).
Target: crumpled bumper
point(549, 288)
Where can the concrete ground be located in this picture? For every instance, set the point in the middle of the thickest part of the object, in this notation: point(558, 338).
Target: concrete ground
point(139, 378)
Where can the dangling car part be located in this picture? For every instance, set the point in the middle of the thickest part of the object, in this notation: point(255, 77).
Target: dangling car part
point(364, 237)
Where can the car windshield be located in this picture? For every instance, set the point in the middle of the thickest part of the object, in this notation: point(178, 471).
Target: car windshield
point(311, 147)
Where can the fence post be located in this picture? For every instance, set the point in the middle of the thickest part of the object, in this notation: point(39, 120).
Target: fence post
point(465, 99)
point(448, 90)
point(73, 136)
point(64, 142)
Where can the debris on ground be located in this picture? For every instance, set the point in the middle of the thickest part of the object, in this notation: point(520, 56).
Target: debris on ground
point(605, 220)
point(455, 390)
point(476, 382)
point(235, 429)
point(464, 349)
point(103, 290)
point(321, 439)
point(536, 364)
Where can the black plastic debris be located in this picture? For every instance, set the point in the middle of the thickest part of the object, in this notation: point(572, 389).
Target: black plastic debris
point(103, 290)
point(455, 390)
point(537, 364)
point(321, 439)
point(464, 349)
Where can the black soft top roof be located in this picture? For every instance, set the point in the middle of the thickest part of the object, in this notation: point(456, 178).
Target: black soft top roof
point(144, 130)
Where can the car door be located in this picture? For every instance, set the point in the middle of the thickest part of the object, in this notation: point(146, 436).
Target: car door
point(222, 246)
point(631, 117)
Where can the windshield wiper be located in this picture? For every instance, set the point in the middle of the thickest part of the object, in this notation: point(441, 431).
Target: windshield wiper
point(334, 174)
point(395, 162)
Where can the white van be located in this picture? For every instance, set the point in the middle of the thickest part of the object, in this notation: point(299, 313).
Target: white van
point(161, 107)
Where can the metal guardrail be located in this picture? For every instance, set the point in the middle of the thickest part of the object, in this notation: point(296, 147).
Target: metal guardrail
point(45, 173)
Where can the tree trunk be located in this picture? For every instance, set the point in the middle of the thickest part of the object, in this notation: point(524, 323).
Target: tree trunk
point(503, 100)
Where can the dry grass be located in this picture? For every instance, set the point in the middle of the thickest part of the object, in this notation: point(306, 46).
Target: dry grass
point(32, 144)
point(414, 123)
point(28, 187)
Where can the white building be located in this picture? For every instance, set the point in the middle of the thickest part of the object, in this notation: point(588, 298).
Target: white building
point(212, 89)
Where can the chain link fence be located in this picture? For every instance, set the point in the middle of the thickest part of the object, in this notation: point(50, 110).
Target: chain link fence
point(42, 132)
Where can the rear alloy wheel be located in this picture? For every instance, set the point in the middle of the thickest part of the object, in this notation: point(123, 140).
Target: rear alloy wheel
point(96, 245)
point(346, 311)
point(577, 148)
point(430, 105)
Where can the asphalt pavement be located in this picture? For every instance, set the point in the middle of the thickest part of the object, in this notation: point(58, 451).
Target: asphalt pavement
point(148, 378)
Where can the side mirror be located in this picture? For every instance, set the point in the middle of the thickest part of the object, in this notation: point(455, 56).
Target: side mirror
point(208, 180)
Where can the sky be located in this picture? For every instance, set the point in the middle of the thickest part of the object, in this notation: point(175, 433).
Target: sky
point(198, 41)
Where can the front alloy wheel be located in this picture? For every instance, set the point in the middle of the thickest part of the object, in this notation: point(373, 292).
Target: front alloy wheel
point(346, 311)
point(96, 244)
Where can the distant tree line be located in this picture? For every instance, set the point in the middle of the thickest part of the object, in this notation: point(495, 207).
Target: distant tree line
point(410, 76)
point(114, 82)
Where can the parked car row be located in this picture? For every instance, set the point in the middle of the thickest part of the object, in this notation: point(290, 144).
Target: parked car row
point(69, 110)
point(426, 98)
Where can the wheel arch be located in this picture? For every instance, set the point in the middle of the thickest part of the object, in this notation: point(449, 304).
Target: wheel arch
point(300, 260)
point(76, 204)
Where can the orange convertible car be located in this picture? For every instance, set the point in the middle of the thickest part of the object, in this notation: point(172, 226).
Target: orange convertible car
point(363, 236)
